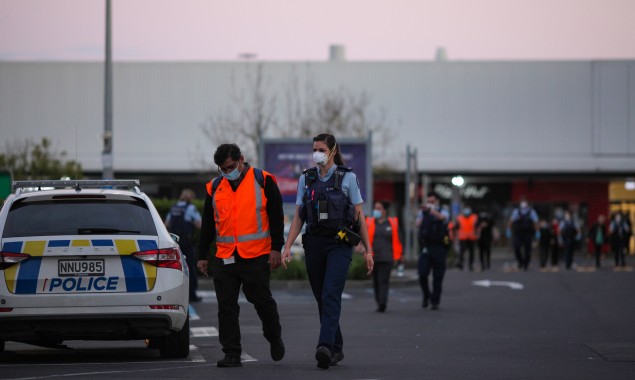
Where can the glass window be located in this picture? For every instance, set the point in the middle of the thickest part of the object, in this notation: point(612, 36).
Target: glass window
point(79, 217)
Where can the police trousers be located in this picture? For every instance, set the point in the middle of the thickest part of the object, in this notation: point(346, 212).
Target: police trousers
point(327, 263)
point(432, 259)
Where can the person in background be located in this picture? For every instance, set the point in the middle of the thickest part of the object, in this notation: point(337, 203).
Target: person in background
point(555, 244)
point(330, 202)
point(620, 233)
point(524, 224)
point(545, 242)
point(569, 232)
point(598, 237)
point(243, 214)
point(383, 232)
point(433, 235)
point(182, 220)
point(485, 233)
point(466, 225)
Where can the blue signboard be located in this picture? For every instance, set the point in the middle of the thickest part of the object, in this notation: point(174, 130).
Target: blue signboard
point(286, 159)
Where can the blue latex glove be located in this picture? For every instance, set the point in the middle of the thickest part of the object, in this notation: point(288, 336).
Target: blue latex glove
point(537, 235)
point(508, 233)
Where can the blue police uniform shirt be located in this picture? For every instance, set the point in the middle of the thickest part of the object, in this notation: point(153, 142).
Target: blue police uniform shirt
point(191, 213)
point(350, 186)
point(533, 215)
point(441, 211)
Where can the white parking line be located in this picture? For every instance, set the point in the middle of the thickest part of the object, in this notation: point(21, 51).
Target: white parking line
point(195, 355)
point(198, 332)
point(244, 357)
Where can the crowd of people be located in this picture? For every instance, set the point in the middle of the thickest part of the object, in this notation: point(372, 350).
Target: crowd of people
point(243, 218)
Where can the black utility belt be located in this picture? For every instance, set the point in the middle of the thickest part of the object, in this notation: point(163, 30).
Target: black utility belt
point(322, 232)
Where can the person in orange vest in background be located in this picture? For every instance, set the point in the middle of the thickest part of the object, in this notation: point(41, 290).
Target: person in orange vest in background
point(383, 232)
point(466, 228)
point(243, 213)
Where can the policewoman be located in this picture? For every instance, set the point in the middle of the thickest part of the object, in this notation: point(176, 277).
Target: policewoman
point(329, 201)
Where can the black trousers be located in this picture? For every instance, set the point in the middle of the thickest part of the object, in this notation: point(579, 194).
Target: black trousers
point(485, 253)
point(522, 248)
point(254, 277)
point(432, 260)
point(381, 282)
point(466, 245)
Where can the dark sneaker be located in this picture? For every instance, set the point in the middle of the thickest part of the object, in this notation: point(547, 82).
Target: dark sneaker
point(229, 361)
point(277, 350)
point(323, 357)
point(337, 357)
point(435, 307)
point(425, 303)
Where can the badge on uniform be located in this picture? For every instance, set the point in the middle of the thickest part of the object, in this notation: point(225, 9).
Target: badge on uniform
point(229, 260)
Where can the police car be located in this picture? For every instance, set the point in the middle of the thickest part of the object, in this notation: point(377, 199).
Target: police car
point(90, 260)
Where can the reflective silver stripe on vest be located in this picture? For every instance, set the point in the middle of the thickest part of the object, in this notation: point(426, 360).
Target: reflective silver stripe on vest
point(258, 192)
point(250, 237)
point(225, 239)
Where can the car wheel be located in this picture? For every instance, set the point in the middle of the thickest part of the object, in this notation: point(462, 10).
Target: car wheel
point(177, 344)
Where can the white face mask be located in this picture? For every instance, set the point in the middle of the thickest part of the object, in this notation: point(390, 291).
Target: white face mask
point(376, 214)
point(320, 158)
point(233, 175)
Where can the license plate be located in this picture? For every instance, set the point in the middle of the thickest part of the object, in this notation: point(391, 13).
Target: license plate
point(80, 268)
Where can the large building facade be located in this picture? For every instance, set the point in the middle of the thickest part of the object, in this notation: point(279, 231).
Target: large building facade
point(561, 133)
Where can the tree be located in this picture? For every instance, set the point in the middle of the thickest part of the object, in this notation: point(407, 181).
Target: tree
point(254, 113)
point(37, 161)
point(249, 117)
point(339, 112)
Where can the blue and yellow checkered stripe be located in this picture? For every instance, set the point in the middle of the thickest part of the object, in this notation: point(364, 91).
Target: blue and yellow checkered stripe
point(23, 277)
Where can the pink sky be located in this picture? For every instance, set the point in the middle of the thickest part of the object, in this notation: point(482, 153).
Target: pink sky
point(303, 30)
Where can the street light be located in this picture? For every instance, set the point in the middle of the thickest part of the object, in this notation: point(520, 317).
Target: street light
point(458, 181)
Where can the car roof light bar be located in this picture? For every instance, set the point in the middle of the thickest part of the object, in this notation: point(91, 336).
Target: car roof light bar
point(77, 184)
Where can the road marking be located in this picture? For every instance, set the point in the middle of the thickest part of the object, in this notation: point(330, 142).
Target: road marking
point(198, 332)
point(346, 296)
point(192, 313)
point(244, 357)
point(195, 355)
point(488, 283)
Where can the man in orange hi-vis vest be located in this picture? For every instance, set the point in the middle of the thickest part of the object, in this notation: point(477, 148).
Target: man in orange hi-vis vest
point(243, 213)
point(467, 236)
point(383, 232)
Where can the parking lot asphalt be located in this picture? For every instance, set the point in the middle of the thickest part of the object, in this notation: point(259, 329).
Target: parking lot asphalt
point(495, 324)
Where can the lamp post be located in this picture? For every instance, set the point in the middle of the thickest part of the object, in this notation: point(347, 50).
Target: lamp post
point(457, 182)
point(106, 155)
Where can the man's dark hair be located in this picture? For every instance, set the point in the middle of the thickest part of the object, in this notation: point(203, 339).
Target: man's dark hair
point(385, 204)
point(225, 151)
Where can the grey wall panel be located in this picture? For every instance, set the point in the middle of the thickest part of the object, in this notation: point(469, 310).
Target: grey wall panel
point(613, 111)
point(461, 116)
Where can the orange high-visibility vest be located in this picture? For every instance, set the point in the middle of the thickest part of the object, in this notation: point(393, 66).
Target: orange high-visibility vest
point(241, 217)
point(467, 226)
point(397, 248)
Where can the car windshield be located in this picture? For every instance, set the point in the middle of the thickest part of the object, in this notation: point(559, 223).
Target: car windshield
point(79, 217)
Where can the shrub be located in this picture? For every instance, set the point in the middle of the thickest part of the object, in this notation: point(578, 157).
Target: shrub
point(296, 270)
point(357, 270)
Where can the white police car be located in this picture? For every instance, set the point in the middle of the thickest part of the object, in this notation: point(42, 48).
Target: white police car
point(90, 260)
